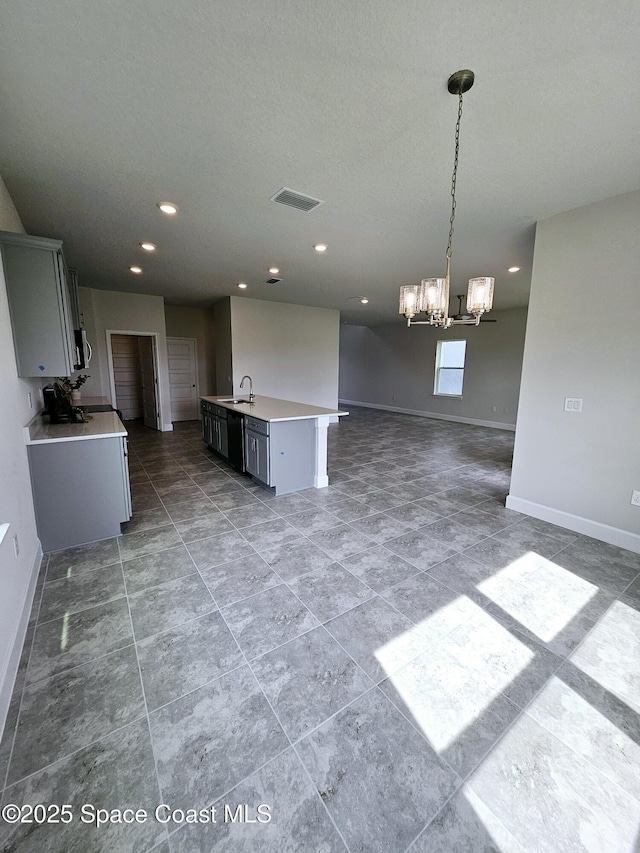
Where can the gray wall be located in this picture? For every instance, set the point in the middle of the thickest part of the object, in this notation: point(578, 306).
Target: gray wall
point(290, 351)
point(222, 326)
point(393, 366)
point(583, 340)
point(124, 312)
point(17, 574)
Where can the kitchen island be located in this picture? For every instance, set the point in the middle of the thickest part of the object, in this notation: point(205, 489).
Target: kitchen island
point(283, 444)
point(80, 479)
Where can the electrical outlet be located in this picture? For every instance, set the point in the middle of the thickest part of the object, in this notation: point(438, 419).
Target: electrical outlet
point(16, 545)
point(635, 497)
point(494, 408)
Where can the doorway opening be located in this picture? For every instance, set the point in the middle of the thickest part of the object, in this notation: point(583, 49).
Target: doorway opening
point(133, 375)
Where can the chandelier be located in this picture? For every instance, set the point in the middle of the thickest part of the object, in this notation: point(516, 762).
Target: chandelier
point(431, 296)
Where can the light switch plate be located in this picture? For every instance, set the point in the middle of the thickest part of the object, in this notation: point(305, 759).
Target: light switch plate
point(635, 497)
point(573, 404)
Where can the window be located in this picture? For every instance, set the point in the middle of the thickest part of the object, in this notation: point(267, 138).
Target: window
point(449, 368)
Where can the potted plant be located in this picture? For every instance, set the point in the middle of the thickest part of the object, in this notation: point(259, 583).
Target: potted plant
point(71, 387)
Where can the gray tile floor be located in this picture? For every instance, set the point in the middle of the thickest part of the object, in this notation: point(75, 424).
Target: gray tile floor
point(396, 662)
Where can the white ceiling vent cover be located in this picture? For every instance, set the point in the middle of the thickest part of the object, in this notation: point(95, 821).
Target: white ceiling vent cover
point(295, 199)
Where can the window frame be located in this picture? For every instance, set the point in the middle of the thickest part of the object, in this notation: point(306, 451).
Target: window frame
point(439, 367)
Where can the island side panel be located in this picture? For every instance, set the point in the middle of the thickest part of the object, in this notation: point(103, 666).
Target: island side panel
point(292, 455)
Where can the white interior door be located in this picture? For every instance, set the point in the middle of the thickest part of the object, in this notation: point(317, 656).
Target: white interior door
point(149, 381)
point(127, 375)
point(183, 379)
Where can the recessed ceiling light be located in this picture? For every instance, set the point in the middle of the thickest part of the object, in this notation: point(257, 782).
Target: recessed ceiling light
point(167, 207)
point(274, 270)
point(364, 300)
point(321, 247)
point(148, 247)
point(136, 270)
point(242, 285)
point(514, 269)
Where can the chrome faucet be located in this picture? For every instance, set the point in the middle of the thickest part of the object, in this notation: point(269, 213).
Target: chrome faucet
point(252, 396)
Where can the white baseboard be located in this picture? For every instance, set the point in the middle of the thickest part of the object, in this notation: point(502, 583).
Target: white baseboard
point(597, 530)
point(8, 676)
point(436, 415)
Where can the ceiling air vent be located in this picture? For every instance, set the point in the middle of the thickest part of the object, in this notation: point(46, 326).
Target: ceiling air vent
point(300, 201)
point(273, 280)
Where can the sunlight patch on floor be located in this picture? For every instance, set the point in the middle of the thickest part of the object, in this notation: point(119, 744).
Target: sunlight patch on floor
point(443, 690)
point(547, 600)
point(428, 631)
point(548, 796)
point(514, 572)
point(611, 652)
point(589, 726)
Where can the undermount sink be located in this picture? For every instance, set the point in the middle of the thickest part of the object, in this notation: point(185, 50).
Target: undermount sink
point(233, 400)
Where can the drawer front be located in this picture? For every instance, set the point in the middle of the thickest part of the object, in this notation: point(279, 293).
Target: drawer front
point(212, 409)
point(256, 425)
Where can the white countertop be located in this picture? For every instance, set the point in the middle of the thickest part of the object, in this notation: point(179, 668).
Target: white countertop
point(101, 425)
point(272, 409)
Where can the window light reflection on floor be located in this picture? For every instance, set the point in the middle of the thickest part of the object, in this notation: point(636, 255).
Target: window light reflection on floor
point(443, 690)
point(610, 653)
point(547, 600)
point(514, 572)
point(64, 634)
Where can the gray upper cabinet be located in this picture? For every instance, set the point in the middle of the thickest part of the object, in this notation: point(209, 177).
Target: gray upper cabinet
point(39, 304)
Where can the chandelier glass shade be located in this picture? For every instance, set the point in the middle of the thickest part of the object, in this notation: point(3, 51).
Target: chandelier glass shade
point(431, 296)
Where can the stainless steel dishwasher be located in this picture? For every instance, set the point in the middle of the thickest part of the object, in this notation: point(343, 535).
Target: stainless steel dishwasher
point(235, 421)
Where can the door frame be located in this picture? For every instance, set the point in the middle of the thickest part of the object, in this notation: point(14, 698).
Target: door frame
point(195, 353)
point(156, 368)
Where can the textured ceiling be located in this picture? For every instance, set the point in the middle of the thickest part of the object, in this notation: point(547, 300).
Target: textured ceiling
point(107, 108)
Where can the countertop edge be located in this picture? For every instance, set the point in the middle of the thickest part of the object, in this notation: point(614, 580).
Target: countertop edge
point(33, 431)
point(247, 409)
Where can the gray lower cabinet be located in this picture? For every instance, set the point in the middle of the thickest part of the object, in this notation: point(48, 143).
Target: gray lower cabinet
point(221, 440)
point(214, 427)
point(81, 490)
point(39, 304)
point(256, 455)
point(280, 454)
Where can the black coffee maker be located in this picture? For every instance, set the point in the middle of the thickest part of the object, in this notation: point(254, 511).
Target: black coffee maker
point(58, 407)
